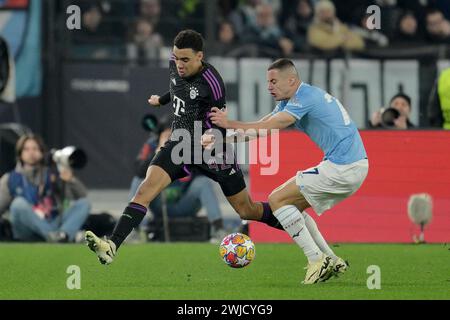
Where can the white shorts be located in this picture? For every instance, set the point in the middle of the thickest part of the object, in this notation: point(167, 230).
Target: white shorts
point(328, 183)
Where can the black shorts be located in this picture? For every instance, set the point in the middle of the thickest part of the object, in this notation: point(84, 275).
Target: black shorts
point(228, 175)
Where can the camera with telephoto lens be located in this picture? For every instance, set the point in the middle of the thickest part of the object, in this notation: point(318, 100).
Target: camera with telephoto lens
point(69, 157)
point(388, 116)
point(156, 125)
point(150, 123)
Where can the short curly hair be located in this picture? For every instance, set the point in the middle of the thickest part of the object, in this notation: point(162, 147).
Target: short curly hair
point(189, 39)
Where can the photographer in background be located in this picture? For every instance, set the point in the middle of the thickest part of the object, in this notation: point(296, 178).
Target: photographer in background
point(396, 116)
point(45, 204)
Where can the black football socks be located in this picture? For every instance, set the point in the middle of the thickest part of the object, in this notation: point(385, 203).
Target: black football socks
point(131, 218)
point(268, 217)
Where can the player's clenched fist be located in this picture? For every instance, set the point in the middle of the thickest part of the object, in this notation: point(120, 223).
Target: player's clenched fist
point(219, 117)
point(208, 140)
point(154, 101)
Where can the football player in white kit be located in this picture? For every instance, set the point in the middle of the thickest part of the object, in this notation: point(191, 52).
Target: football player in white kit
point(340, 173)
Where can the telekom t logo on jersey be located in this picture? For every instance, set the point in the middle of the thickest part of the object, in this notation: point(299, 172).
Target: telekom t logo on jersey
point(178, 105)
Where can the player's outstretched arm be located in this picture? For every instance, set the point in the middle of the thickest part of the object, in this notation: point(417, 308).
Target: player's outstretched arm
point(208, 138)
point(245, 131)
point(279, 120)
point(239, 135)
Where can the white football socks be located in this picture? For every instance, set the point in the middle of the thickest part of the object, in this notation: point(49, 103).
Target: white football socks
point(317, 236)
point(294, 223)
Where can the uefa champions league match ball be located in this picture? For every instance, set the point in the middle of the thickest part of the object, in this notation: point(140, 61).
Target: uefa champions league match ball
point(237, 250)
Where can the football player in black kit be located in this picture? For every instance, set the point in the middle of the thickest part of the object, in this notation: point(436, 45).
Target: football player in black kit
point(195, 87)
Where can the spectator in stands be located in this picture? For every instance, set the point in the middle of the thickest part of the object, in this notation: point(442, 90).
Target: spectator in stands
point(150, 10)
point(390, 14)
point(165, 25)
point(351, 12)
point(267, 35)
point(44, 204)
point(244, 16)
point(408, 32)
point(226, 43)
point(95, 39)
point(276, 6)
point(437, 27)
point(420, 8)
point(145, 44)
point(372, 37)
point(297, 23)
point(116, 15)
point(184, 197)
point(92, 18)
point(327, 33)
point(394, 119)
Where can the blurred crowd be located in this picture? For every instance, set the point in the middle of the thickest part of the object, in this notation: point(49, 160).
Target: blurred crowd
point(138, 29)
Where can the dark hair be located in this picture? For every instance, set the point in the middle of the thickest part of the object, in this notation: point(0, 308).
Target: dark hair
point(281, 64)
point(189, 39)
point(432, 10)
point(407, 13)
point(403, 96)
point(20, 145)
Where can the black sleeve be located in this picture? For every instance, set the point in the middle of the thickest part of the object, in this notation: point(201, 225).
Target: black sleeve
point(164, 99)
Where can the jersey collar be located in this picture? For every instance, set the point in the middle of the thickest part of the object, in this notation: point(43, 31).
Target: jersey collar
point(300, 85)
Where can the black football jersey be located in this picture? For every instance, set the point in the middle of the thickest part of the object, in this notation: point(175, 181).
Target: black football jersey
point(193, 97)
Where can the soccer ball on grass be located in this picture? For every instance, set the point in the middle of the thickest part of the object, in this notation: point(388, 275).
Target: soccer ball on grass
point(237, 250)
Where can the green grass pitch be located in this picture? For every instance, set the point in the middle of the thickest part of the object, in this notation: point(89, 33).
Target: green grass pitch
point(194, 271)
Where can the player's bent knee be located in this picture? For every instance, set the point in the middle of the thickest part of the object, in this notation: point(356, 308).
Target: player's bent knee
point(276, 199)
point(148, 190)
point(147, 187)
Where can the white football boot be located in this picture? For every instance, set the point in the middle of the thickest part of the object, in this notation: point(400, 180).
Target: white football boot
point(340, 266)
point(104, 249)
point(319, 271)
